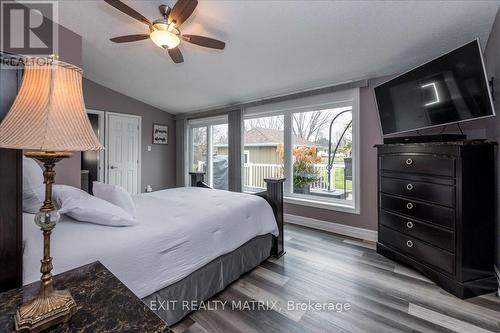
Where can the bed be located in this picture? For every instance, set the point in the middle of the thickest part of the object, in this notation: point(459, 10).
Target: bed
point(190, 244)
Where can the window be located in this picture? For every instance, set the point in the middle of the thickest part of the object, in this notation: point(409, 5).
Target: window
point(322, 153)
point(313, 142)
point(208, 150)
point(263, 145)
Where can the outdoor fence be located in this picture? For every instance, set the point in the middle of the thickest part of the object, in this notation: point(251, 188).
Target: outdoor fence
point(255, 173)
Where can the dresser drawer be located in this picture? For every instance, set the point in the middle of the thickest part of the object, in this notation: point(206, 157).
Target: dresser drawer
point(420, 251)
point(436, 236)
point(434, 193)
point(425, 164)
point(443, 216)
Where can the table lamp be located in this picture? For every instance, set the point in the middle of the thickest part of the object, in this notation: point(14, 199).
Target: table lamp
point(48, 118)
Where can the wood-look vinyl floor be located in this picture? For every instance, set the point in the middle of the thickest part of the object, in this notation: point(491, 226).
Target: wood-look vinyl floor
point(376, 294)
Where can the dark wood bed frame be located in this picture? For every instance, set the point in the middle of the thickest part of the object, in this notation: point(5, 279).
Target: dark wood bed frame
point(273, 195)
point(11, 187)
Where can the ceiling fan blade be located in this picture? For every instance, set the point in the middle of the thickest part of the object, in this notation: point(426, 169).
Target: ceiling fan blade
point(129, 38)
point(182, 10)
point(129, 11)
point(204, 41)
point(176, 55)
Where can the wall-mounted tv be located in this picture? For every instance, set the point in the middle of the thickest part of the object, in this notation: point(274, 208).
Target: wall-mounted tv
point(449, 89)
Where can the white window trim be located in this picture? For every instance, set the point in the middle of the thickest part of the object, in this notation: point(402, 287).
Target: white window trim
point(210, 157)
point(348, 97)
point(330, 204)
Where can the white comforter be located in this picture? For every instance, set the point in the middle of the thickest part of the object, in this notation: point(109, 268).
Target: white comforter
point(180, 231)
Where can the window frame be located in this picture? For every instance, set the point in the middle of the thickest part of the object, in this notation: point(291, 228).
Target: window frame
point(207, 123)
point(337, 99)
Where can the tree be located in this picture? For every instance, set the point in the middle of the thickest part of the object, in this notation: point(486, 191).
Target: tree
point(273, 122)
point(219, 134)
point(199, 135)
point(314, 125)
point(307, 125)
point(311, 125)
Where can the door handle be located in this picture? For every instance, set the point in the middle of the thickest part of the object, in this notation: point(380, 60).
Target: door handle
point(113, 167)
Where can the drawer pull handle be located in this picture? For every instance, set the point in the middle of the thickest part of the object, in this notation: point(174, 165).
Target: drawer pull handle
point(409, 161)
point(409, 187)
point(409, 205)
point(409, 224)
point(409, 243)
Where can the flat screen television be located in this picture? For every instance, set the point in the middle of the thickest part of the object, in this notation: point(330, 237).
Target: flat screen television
point(449, 89)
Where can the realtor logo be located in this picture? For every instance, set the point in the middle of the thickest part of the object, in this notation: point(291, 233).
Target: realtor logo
point(28, 27)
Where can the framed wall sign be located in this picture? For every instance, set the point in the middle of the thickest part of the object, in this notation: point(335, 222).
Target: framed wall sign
point(160, 134)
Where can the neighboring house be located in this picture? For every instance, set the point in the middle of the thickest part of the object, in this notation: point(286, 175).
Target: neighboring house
point(260, 145)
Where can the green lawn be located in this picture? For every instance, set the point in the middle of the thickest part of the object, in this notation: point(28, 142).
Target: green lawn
point(339, 179)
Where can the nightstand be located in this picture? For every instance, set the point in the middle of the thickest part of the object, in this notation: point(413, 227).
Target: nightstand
point(104, 304)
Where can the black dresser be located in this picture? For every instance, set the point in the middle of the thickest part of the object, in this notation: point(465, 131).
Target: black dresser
point(436, 212)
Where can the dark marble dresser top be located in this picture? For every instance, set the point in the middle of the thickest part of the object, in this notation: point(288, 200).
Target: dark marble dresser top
point(104, 304)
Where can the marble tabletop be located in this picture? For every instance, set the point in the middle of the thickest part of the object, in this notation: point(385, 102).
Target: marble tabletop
point(104, 304)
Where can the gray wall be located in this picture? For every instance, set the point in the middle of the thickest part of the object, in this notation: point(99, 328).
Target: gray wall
point(158, 165)
point(69, 50)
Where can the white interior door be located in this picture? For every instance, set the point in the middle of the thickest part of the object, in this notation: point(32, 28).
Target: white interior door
point(123, 149)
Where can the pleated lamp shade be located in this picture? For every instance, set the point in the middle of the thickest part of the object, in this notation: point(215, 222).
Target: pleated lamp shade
point(49, 112)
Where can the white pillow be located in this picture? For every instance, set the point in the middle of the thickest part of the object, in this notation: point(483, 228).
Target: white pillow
point(84, 207)
point(116, 195)
point(33, 187)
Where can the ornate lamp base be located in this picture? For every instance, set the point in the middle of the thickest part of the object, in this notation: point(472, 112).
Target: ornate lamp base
point(45, 311)
point(50, 306)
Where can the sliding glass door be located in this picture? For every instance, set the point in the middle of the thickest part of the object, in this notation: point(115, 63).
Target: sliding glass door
point(219, 165)
point(208, 150)
point(198, 149)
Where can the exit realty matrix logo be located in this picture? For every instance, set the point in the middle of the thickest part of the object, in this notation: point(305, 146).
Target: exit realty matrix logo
point(28, 27)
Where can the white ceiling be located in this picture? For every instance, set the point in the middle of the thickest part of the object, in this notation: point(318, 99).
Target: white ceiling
point(272, 47)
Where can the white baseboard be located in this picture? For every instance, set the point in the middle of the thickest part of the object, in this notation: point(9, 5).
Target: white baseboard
point(341, 229)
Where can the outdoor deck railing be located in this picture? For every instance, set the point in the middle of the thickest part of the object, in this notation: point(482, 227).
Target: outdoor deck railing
point(255, 173)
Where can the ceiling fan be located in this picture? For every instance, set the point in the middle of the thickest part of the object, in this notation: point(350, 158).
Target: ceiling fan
point(165, 32)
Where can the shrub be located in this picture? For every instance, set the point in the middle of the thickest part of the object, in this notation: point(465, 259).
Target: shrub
point(303, 166)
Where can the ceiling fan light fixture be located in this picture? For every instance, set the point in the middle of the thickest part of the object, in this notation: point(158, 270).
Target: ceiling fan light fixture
point(164, 38)
point(165, 32)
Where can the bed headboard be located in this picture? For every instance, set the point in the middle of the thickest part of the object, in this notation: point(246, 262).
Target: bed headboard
point(11, 189)
point(273, 195)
